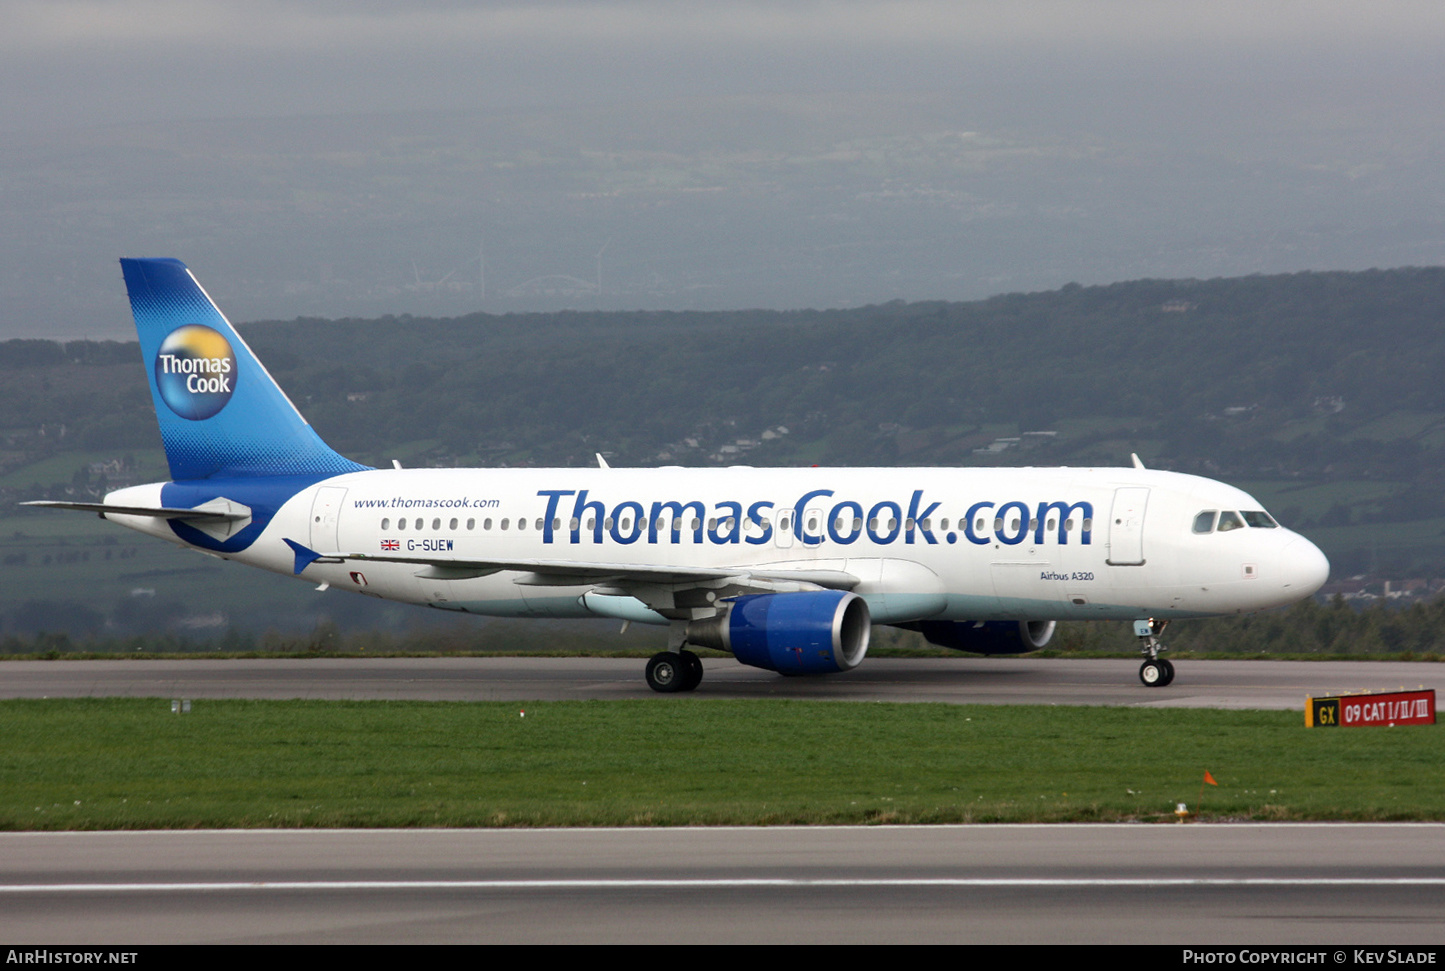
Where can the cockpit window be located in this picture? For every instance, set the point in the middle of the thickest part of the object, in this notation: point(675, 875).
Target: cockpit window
point(1230, 520)
point(1204, 522)
point(1260, 518)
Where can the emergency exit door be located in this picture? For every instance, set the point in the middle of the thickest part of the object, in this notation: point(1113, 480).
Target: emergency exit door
point(1126, 526)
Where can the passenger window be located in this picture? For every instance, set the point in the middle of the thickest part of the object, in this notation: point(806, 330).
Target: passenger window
point(417, 524)
point(453, 526)
point(471, 524)
point(1204, 522)
point(385, 525)
point(487, 524)
point(401, 524)
point(504, 523)
point(436, 524)
point(521, 523)
point(1261, 519)
point(1230, 520)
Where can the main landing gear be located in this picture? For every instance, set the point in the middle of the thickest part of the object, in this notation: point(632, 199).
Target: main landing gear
point(1155, 672)
point(669, 671)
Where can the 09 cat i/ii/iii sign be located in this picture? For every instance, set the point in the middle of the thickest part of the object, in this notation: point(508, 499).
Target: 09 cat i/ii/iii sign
point(1357, 711)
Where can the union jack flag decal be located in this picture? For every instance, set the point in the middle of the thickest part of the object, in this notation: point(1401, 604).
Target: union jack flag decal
point(390, 544)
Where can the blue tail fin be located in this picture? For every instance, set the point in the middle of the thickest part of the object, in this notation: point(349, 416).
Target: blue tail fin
point(220, 412)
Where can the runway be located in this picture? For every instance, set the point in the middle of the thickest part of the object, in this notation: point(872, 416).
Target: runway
point(1215, 885)
point(1200, 684)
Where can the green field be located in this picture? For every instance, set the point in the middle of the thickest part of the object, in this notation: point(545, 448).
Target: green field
point(130, 763)
point(150, 466)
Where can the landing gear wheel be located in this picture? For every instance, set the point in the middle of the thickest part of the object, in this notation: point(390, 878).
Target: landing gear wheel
point(1152, 673)
point(1168, 667)
point(692, 665)
point(667, 672)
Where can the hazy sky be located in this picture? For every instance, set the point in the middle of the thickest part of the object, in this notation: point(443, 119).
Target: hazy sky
point(1143, 137)
point(76, 62)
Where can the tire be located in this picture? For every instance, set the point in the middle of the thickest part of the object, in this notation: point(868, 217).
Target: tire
point(667, 672)
point(692, 665)
point(1168, 667)
point(1152, 674)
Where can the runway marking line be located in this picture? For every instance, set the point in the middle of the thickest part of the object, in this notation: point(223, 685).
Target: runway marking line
point(730, 883)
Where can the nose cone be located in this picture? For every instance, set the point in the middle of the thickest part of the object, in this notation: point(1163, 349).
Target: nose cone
point(1305, 569)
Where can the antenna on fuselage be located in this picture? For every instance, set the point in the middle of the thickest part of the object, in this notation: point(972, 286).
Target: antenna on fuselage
point(602, 462)
point(1135, 456)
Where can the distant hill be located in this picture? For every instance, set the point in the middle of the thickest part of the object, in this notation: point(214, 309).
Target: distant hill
point(1320, 392)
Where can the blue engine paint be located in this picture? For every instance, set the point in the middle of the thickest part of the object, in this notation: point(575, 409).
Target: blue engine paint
point(986, 637)
point(791, 633)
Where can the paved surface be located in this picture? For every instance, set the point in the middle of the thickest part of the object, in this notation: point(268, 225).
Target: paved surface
point(1215, 885)
point(1199, 684)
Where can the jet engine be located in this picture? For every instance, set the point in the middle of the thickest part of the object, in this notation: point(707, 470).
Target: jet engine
point(792, 633)
point(986, 636)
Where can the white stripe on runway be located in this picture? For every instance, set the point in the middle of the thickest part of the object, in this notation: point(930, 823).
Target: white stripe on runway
point(711, 884)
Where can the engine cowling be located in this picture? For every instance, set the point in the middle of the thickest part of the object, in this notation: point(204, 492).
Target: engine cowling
point(986, 636)
point(792, 633)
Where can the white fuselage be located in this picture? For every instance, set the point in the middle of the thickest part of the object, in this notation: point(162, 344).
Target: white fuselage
point(923, 543)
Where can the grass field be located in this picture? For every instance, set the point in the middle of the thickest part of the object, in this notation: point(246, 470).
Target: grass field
point(150, 467)
point(130, 763)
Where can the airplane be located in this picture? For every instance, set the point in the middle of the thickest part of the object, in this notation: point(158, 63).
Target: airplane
point(787, 569)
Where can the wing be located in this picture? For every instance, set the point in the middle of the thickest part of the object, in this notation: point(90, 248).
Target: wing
point(657, 585)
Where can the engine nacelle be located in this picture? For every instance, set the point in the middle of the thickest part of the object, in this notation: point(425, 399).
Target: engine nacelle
point(986, 636)
point(791, 633)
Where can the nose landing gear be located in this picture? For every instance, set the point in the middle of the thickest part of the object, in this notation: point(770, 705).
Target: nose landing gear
point(1155, 672)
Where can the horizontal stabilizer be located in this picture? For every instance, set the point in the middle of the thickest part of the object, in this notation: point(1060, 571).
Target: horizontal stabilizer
point(203, 514)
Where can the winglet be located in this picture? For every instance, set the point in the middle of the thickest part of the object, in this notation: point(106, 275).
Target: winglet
point(304, 556)
point(1135, 456)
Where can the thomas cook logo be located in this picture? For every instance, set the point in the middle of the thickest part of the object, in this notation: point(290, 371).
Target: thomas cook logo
point(195, 371)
